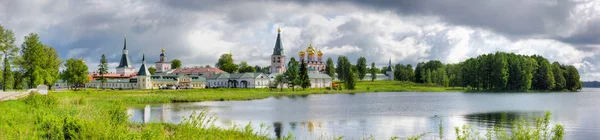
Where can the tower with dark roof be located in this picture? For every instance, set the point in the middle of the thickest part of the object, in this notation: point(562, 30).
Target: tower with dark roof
point(143, 75)
point(125, 66)
point(390, 72)
point(278, 57)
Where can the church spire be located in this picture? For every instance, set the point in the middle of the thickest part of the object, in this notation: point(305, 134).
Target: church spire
point(389, 68)
point(125, 43)
point(278, 50)
point(143, 69)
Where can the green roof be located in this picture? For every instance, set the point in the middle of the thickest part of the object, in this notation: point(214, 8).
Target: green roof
point(278, 50)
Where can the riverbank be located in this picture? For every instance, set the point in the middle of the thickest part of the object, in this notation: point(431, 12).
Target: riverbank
point(225, 94)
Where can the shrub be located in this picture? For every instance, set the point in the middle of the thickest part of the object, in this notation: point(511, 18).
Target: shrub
point(37, 100)
point(50, 127)
point(521, 129)
point(117, 114)
point(72, 128)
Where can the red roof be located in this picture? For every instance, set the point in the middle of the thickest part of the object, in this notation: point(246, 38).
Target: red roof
point(114, 75)
point(198, 70)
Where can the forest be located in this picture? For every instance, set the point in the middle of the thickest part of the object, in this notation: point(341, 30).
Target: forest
point(495, 72)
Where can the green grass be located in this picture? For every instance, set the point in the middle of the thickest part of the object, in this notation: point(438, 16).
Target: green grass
point(225, 94)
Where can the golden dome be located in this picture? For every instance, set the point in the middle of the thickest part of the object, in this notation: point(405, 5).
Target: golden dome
point(319, 53)
point(310, 50)
point(163, 50)
point(301, 53)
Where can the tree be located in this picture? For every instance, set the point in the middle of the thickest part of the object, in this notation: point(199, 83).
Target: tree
point(175, 64)
point(559, 77)
point(9, 50)
point(226, 64)
point(280, 80)
point(18, 79)
point(543, 78)
point(346, 72)
point(361, 66)
point(572, 77)
point(303, 75)
point(244, 67)
point(207, 66)
point(103, 69)
point(373, 71)
point(32, 52)
point(329, 68)
point(350, 79)
point(341, 66)
point(50, 66)
point(76, 72)
point(499, 71)
point(292, 73)
point(152, 70)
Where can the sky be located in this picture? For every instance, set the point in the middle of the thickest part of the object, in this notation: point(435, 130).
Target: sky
point(406, 31)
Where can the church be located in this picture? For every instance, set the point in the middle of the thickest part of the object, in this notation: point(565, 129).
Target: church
point(316, 67)
point(316, 75)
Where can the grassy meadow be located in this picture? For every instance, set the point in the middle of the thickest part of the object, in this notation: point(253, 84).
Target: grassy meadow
point(101, 114)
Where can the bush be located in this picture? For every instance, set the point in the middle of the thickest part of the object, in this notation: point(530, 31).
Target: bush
point(50, 127)
point(521, 129)
point(37, 100)
point(117, 114)
point(72, 128)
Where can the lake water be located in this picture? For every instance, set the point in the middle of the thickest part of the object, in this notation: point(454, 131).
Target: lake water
point(384, 115)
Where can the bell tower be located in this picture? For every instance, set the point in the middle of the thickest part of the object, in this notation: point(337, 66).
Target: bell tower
point(278, 57)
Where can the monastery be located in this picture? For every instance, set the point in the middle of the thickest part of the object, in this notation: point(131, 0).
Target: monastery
point(128, 77)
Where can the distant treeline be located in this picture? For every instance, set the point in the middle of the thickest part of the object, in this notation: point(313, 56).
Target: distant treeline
point(497, 72)
point(591, 84)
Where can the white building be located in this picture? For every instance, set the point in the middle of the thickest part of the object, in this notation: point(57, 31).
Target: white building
point(238, 80)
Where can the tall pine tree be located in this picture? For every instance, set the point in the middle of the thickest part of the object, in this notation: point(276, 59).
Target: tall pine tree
point(103, 69)
point(304, 79)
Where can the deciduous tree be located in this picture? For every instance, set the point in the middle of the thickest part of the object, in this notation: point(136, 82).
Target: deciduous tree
point(361, 66)
point(226, 64)
point(330, 68)
point(76, 72)
point(175, 64)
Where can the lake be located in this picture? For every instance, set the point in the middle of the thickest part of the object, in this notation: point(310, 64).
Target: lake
point(386, 114)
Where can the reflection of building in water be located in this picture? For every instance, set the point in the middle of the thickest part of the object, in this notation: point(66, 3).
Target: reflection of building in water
point(166, 113)
point(147, 114)
point(310, 125)
point(277, 128)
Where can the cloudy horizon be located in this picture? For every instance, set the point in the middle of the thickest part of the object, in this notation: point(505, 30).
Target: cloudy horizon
point(408, 32)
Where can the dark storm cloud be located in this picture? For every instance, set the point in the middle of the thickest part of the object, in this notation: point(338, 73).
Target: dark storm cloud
point(586, 34)
point(512, 17)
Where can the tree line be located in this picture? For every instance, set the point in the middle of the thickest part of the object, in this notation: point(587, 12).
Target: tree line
point(34, 63)
point(500, 72)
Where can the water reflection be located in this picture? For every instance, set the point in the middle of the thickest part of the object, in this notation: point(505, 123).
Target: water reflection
point(385, 115)
point(501, 119)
